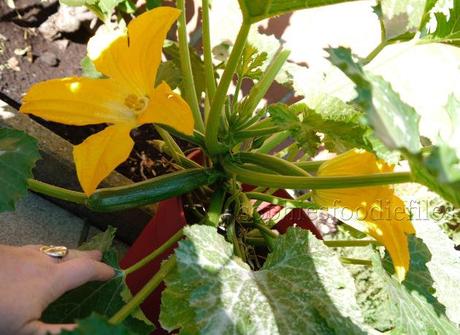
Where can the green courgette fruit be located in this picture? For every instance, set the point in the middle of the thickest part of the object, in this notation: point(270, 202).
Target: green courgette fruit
point(150, 191)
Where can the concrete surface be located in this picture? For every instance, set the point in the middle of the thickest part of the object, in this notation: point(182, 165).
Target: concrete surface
point(38, 221)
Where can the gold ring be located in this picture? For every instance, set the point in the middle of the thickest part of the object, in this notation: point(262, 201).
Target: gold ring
point(55, 251)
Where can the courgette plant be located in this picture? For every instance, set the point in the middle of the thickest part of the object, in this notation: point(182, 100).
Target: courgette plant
point(232, 271)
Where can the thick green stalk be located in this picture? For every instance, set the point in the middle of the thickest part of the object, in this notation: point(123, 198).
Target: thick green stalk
point(186, 68)
point(174, 150)
point(350, 243)
point(300, 183)
point(215, 207)
point(273, 163)
point(259, 90)
point(289, 203)
point(272, 142)
point(215, 115)
point(143, 294)
point(355, 261)
point(56, 192)
point(207, 52)
point(310, 166)
point(248, 133)
point(155, 253)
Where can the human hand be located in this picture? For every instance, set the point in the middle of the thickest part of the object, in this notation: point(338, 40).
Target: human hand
point(31, 280)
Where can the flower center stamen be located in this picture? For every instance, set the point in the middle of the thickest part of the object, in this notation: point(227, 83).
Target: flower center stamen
point(136, 104)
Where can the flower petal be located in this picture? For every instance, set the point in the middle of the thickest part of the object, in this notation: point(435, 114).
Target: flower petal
point(167, 107)
point(100, 154)
point(390, 234)
point(134, 57)
point(78, 101)
point(351, 163)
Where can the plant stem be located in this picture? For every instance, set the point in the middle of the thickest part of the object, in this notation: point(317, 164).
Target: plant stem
point(174, 150)
point(280, 201)
point(310, 166)
point(186, 68)
point(355, 261)
point(300, 183)
point(375, 52)
point(215, 207)
point(244, 134)
point(215, 114)
point(207, 53)
point(143, 294)
point(56, 192)
point(272, 142)
point(155, 253)
point(350, 243)
point(273, 163)
point(260, 89)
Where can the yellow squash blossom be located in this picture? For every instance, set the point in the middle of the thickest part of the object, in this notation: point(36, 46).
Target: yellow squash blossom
point(127, 98)
point(382, 212)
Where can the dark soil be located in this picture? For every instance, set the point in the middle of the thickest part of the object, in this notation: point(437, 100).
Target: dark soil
point(46, 60)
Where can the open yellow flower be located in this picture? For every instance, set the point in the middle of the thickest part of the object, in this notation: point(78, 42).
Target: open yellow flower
point(382, 212)
point(126, 99)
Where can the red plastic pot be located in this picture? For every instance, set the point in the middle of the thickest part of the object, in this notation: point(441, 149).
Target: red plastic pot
point(168, 220)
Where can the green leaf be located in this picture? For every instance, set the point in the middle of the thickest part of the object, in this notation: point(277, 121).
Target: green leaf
point(301, 289)
point(287, 118)
point(251, 63)
point(98, 297)
point(370, 293)
point(102, 241)
point(170, 73)
point(443, 22)
point(394, 122)
point(338, 122)
point(256, 10)
point(401, 16)
point(150, 4)
point(18, 154)
point(127, 6)
point(415, 310)
point(96, 324)
point(439, 170)
point(443, 266)
point(89, 69)
point(172, 51)
point(439, 166)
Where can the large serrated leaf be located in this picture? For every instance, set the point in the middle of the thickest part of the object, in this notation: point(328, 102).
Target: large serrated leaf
point(442, 22)
point(96, 324)
point(401, 16)
point(301, 289)
point(256, 10)
point(414, 312)
point(394, 122)
point(18, 154)
point(443, 266)
point(105, 298)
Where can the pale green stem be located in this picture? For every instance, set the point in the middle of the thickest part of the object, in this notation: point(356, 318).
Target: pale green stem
point(260, 89)
point(174, 149)
point(215, 114)
point(350, 243)
point(207, 52)
point(144, 293)
point(355, 261)
point(289, 203)
point(300, 182)
point(56, 192)
point(186, 68)
point(155, 253)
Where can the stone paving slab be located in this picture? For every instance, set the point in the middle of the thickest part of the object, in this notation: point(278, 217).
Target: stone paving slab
point(38, 221)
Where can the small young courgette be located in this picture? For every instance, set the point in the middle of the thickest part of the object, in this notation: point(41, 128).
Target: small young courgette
point(150, 191)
